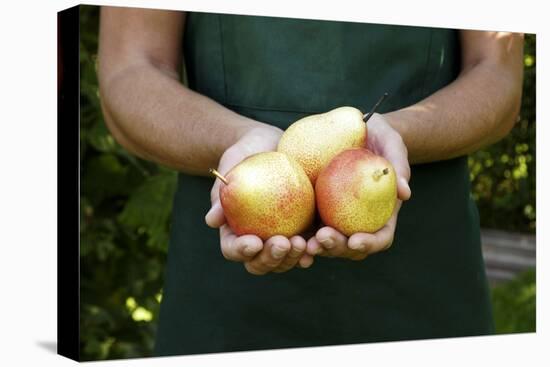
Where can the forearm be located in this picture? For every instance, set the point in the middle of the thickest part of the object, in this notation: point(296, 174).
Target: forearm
point(477, 109)
point(154, 116)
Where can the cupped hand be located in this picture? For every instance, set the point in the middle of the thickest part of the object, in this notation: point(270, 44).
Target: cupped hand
point(385, 141)
point(277, 254)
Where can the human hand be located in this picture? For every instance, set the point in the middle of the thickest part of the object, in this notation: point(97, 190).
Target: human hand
point(383, 140)
point(277, 254)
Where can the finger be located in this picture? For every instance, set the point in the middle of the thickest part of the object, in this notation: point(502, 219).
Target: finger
point(215, 217)
point(248, 245)
point(313, 247)
point(370, 243)
point(305, 261)
point(242, 248)
point(362, 243)
point(229, 159)
point(272, 255)
point(396, 152)
point(333, 242)
point(359, 242)
point(215, 191)
point(391, 225)
point(381, 240)
point(298, 247)
point(403, 189)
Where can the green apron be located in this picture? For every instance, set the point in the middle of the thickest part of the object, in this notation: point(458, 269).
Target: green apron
point(430, 284)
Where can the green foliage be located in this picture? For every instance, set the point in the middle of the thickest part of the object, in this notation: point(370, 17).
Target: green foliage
point(503, 175)
point(514, 305)
point(125, 210)
point(126, 205)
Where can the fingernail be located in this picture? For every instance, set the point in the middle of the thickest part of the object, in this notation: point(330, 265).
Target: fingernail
point(405, 183)
point(306, 265)
point(357, 246)
point(211, 209)
point(328, 243)
point(278, 252)
point(249, 251)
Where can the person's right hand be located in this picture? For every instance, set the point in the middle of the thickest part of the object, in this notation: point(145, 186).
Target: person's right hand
point(278, 254)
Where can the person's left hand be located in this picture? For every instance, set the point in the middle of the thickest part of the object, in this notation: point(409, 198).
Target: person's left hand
point(383, 140)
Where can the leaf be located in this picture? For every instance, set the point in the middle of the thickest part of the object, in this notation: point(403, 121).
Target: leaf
point(148, 209)
point(514, 304)
point(104, 176)
point(101, 139)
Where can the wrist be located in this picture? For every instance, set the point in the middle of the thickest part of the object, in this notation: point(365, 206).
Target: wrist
point(398, 121)
point(262, 133)
point(257, 128)
point(255, 138)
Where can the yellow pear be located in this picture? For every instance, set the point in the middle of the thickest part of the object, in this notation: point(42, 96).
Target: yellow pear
point(356, 192)
point(267, 194)
point(314, 140)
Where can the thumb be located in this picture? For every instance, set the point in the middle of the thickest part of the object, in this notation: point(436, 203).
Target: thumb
point(396, 153)
point(215, 218)
point(403, 189)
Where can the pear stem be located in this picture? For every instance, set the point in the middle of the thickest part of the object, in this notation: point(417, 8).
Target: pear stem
point(367, 116)
point(218, 175)
point(379, 173)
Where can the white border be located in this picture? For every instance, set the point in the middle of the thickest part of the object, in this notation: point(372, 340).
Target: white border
point(28, 179)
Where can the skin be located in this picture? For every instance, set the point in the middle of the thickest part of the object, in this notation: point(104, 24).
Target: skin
point(477, 109)
point(154, 116)
point(385, 141)
point(277, 254)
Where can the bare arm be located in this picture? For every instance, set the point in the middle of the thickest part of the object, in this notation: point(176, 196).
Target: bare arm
point(153, 116)
point(477, 109)
point(146, 107)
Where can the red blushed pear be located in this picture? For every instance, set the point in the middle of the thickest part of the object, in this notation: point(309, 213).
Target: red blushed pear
point(314, 140)
point(267, 194)
point(356, 192)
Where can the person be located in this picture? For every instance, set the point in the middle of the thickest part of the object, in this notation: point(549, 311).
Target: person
point(247, 79)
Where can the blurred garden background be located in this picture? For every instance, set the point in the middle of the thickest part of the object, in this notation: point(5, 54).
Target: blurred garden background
point(126, 206)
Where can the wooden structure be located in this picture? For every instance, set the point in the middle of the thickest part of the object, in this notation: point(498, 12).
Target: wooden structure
point(506, 254)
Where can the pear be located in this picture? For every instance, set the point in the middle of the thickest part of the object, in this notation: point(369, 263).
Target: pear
point(356, 192)
point(267, 194)
point(314, 140)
